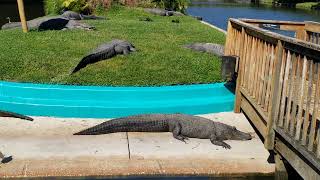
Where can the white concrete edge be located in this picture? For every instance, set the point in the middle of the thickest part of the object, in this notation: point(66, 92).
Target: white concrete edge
point(214, 27)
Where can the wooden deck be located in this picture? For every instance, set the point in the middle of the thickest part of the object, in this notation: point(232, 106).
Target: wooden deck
point(278, 87)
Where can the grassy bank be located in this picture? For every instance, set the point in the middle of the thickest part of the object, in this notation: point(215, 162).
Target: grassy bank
point(48, 57)
point(306, 5)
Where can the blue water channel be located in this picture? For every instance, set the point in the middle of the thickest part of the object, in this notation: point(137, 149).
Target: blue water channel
point(111, 102)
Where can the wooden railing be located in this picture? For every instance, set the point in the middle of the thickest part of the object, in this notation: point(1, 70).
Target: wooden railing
point(278, 88)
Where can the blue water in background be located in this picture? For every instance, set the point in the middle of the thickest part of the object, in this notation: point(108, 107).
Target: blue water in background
point(217, 12)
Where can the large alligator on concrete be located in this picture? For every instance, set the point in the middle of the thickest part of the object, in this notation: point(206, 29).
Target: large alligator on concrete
point(182, 126)
point(105, 51)
point(15, 115)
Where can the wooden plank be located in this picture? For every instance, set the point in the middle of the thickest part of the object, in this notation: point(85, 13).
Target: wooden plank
point(229, 39)
point(276, 22)
point(258, 73)
point(258, 108)
point(22, 16)
point(253, 116)
point(262, 72)
point(295, 45)
point(243, 59)
point(280, 171)
point(296, 79)
point(281, 81)
point(285, 90)
point(266, 79)
point(301, 98)
point(312, 26)
point(291, 88)
point(315, 109)
point(271, 66)
point(252, 65)
point(275, 99)
point(237, 103)
point(306, 114)
point(298, 163)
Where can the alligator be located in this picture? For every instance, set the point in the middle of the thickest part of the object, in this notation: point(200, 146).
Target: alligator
point(182, 126)
point(105, 51)
point(163, 12)
point(50, 23)
point(15, 115)
point(5, 159)
point(71, 15)
point(216, 49)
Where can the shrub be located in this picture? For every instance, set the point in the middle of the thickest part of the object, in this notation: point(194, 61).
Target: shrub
point(57, 6)
point(176, 5)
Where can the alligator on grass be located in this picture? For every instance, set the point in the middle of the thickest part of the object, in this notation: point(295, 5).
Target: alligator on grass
point(68, 20)
point(105, 51)
point(182, 126)
point(212, 48)
point(163, 12)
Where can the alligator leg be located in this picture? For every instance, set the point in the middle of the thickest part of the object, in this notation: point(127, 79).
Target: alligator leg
point(15, 115)
point(219, 142)
point(176, 132)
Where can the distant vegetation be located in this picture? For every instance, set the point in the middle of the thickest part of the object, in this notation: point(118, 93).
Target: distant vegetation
point(89, 6)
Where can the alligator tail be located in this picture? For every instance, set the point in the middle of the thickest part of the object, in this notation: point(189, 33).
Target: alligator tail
point(92, 17)
point(15, 115)
point(127, 124)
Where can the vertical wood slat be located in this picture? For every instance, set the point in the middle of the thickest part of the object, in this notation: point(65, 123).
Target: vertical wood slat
point(281, 82)
point(262, 73)
point(248, 63)
point(244, 59)
point(274, 96)
point(229, 39)
point(238, 94)
point(256, 76)
point(265, 79)
point(295, 85)
point(301, 98)
point(252, 64)
point(315, 109)
point(306, 114)
point(284, 90)
point(290, 95)
point(271, 65)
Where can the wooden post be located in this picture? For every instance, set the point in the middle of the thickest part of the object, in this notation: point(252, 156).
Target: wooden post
point(275, 99)
point(241, 64)
point(280, 171)
point(22, 16)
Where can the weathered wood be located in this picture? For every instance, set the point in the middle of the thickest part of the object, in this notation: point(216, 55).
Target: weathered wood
point(237, 103)
point(296, 75)
point(298, 149)
point(229, 39)
point(301, 98)
point(275, 99)
point(228, 65)
point(22, 16)
point(289, 100)
point(315, 109)
point(253, 116)
point(280, 171)
point(312, 26)
point(261, 90)
point(306, 114)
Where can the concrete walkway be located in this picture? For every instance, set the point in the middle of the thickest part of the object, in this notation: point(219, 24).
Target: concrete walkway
point(46, 147)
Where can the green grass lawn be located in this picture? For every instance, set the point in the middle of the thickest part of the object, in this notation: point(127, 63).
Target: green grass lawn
point(49, 57)
point(306, 5)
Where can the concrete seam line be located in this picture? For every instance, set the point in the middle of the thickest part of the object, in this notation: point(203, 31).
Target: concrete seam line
point(214, 27)
point(128, 142)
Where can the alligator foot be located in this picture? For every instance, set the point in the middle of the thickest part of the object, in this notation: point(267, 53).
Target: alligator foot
point(221, 143)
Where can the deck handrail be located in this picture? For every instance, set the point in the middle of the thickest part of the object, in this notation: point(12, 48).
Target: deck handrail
point(278, 86)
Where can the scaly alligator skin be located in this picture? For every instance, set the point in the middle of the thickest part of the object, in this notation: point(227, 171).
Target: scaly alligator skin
point(71, 15)
point(212, 48)
point(182, 126)
point(163, 12)
point(105, 51)
point(15, 115)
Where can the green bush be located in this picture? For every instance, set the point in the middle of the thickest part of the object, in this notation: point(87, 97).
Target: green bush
point(56, 6)
point(176, 5)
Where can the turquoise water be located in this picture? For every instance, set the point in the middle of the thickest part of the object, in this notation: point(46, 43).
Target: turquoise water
point(111, 102)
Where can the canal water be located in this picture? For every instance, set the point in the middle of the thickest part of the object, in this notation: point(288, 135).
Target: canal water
point(217, 12)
